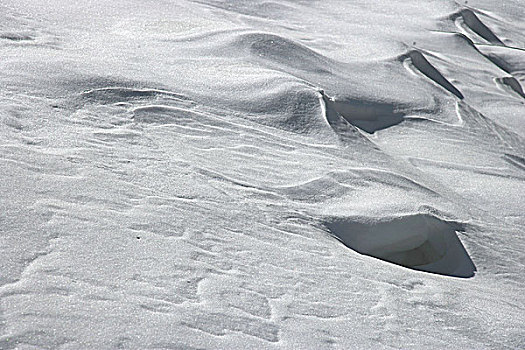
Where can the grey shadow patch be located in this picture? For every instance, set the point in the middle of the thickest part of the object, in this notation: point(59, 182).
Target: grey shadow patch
point(511, 84)
point(472, 21)
point(369, 116)
point(420, 242)
point(427, 69)
point(16, 36)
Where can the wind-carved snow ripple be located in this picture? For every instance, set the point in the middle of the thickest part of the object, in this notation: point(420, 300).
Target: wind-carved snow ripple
point(145, 106)
point(118, 94)
point(18, 29)
point(420, 242)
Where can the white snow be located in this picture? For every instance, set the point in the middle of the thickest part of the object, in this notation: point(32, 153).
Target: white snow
point(281, 174)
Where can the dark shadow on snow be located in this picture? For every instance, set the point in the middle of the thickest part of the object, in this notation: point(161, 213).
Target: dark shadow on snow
point(420, 242)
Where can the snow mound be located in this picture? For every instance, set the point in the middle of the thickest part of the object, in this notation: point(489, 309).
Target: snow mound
point(284, 52)
point(421, 242)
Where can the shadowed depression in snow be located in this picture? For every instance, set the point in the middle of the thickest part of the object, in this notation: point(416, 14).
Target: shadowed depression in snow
point(421, 242)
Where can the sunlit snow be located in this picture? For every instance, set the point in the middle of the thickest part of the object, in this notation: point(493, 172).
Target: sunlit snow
point(241, 174)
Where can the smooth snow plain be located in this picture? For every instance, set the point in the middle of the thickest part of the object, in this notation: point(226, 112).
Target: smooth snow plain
point(224, 174)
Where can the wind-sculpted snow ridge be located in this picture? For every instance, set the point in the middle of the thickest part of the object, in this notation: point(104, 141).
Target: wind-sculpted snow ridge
point(508, 59)
point(512, 84)
point(121, 94)
point(421, 241)
point(419, 61)
point(467, 19)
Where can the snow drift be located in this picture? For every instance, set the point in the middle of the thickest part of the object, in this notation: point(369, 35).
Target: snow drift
point(173, 174)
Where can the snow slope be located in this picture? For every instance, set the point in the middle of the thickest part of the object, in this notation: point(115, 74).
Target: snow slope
point(250, 174)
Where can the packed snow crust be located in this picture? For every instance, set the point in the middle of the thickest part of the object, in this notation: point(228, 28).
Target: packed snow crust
point(222, 174)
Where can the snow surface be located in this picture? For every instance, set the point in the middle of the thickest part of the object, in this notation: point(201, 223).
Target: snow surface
point(262, 174)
